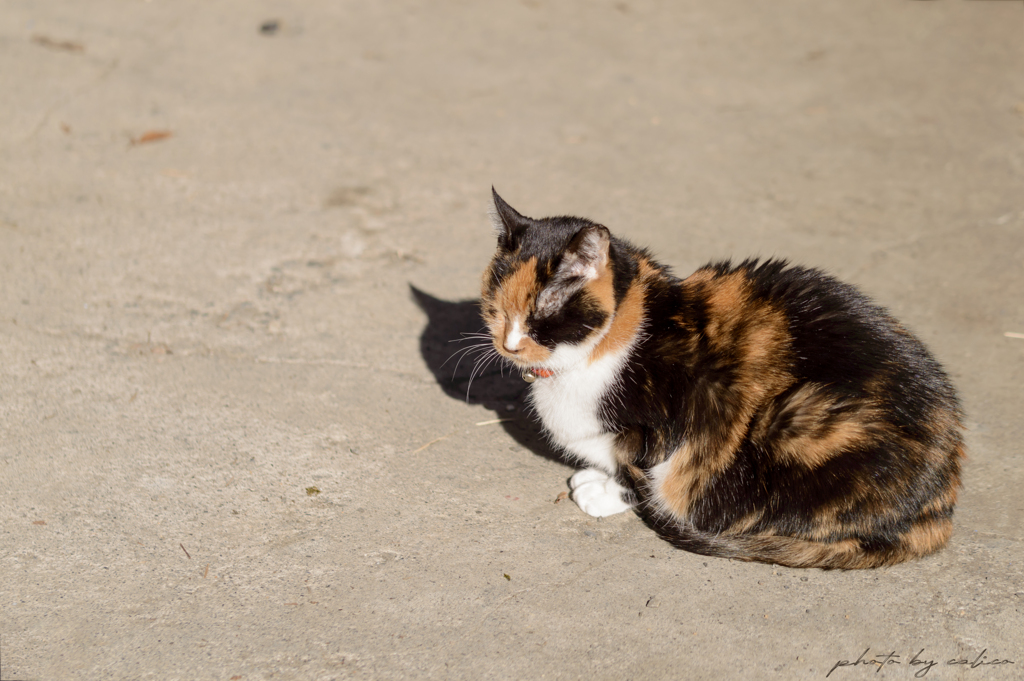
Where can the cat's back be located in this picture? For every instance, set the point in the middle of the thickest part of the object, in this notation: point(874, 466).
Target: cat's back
point(821, 329)
point(771, 340)
point(809, 353)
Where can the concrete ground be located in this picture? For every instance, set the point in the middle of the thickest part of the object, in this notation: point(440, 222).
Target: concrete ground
point(231, 260)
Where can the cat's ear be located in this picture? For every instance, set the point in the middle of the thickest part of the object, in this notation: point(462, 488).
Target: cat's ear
point(583, 260)
point(586, 256)
point(508, 223)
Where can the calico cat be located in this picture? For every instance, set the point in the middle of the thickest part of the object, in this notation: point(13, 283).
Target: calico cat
point(757, 411)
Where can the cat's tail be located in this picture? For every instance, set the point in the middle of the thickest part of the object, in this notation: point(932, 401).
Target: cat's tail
point(924, 537)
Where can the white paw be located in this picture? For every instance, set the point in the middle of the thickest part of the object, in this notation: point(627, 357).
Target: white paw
point(597, 494)
point(586, 475)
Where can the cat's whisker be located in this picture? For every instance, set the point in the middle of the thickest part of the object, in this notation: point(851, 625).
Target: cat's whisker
point(470, 348)
point(465, 352)
point(461, 355)
point(470, 336)
point(462, 352)
point(481, 365)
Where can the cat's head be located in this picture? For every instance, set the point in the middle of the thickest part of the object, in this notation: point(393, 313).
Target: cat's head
point(548, 295)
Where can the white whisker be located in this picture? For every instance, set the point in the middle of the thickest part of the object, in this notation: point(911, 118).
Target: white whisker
point(469, 336)
point(482, 347)
point(478, 369)
point(482, 363)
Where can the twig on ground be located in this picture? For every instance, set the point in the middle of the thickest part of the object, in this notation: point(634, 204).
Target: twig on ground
point(492, 422)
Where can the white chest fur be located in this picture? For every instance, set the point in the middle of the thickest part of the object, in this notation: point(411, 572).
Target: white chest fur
point(568, 403)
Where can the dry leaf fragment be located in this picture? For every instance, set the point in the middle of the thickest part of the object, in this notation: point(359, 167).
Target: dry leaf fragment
point(38, 522)
point(65, 45)
point(562, 496)
point(151, 136)
point(150, 348)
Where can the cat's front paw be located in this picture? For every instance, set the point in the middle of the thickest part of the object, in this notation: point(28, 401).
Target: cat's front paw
point(597, 494)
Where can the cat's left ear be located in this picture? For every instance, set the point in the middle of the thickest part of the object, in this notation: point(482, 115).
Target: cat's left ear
point(508, 223)
point(586, 256)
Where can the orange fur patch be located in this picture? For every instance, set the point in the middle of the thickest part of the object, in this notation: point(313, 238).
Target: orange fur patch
point(602, 289)
point(846, 554)
point(702, 276)
point(682, 483)
point(726, 301)
point(941, 503)
point(827, 526)
point(518, 290)
point(626, 322)
point(761, 376)
point(945, 426)
point(743, 525)
point(927, 537)
point(646, 271)
point(815, 433)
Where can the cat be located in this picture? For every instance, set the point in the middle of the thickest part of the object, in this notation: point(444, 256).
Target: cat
point(758, 411)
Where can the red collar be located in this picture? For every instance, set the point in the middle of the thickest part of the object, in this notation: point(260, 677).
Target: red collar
point(531, 375)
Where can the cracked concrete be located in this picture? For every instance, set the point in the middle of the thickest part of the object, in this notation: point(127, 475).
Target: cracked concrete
point(231, 447)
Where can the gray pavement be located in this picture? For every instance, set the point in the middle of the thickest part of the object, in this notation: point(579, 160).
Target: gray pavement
point(231, 260)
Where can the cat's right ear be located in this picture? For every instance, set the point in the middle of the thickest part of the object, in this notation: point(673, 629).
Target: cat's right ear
point(508, 223)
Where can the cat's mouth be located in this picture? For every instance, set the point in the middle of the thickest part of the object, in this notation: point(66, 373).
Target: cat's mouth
point(528, 369)
point(525, 355)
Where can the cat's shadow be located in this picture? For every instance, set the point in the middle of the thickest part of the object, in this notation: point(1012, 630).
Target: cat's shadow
point(449, 331)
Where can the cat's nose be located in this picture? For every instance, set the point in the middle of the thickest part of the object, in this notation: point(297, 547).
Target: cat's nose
point(514, 338)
